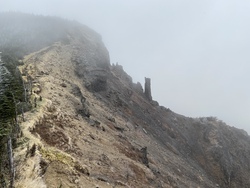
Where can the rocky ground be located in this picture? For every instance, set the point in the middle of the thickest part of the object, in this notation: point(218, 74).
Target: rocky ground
point(91, 126)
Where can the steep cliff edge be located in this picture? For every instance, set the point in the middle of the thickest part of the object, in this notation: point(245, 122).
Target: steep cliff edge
point(91, 126)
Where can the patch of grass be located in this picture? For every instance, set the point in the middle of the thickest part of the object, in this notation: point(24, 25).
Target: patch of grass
point(54, 155)
point(22, 141)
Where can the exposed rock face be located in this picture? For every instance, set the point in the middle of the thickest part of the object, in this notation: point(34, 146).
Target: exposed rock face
point(144, 156)
point(148, 88)
point(95, 128)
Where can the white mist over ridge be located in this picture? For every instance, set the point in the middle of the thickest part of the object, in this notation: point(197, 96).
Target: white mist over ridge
point(196, 53)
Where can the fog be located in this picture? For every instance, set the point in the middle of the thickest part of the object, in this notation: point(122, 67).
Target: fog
point(195, 52)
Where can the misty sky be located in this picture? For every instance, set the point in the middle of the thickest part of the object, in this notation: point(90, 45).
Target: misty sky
point(196, 52)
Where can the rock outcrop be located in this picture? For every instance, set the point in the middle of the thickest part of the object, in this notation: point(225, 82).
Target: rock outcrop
point(94, 127)
point(147, 91)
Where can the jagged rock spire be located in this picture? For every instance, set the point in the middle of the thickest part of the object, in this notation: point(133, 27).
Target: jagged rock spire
point(147, 90)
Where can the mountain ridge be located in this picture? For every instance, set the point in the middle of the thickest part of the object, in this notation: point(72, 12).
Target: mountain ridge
point(91, 126)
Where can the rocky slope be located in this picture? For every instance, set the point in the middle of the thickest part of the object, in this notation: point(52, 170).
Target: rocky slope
point(91, 126)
